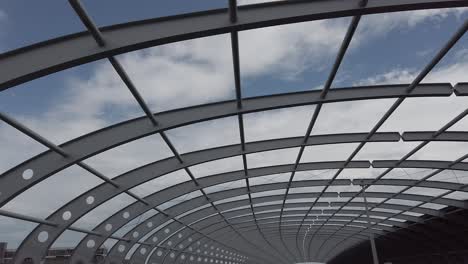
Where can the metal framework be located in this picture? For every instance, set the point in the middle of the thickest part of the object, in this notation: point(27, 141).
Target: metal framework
point(280, 222)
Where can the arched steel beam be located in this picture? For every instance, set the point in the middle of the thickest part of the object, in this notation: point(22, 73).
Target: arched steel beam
point(337, 219)
point(179, 189)
point(78, 207)
point(269, 213)
point(301, 196)
point(273, 231)
point(361, 204)
point(50, 162)
point(28, 63)
point(398, 206)
point(194, 251)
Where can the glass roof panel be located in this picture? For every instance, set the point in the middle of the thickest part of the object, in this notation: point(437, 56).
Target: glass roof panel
point(314, 175)
point(217, 166)
point(130, 156)
point(161, 183)
point(226, 186)
point(457, 196)
point(18, 230)
point(408, 39)
point(449, 151)
point(268, 193)
point(51, 194)
point(103, 211)
point(403, 202)
point(455, 176)
point(433, 206)
point(19, 146)
point(332, 152)
point(357, 173)
point(421, 114)
point(272, 157)
point(68, 239)
point(425, 191)
point(288, 122)
point(184, 73)
point(350, 117)
point(282, 177)
point(408, 173)
point(144, 9)
point(72, 102)
point(288, 58)
point(309, 189)
point(205, 135)
point(385, 188)
point(393, 150)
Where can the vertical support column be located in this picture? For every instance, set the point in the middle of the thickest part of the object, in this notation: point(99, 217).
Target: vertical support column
point(371, 236)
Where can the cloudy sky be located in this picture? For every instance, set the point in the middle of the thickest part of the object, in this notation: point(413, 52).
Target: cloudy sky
point(388, 48)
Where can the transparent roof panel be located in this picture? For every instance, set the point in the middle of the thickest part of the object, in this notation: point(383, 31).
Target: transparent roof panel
point(68, 239)
point(19, 146)
point(385, 188)
point(28, 24)
point(310, 189)
point(217, 166)
point(393, 150)
point(463, 196)
point(145, 9)
point(424, 114)
point(209, 134)
point(314, 175)
point(408, 173)
point(73, 102)
point(357, 173)
point(425, 191)
point(269, 65)
point(42, 200)
point(103, 211)
point(130, 156)
point(272, 157)
point(449, 151)
point(288, 122)
point(433, 206)
point(18, 230)
point(183, 74)
point(453, 65)
point(408, 39)
point(226, 186)
point(161, 183)
point(282, 177)
point(350, 117)
point(455, 176)
point(331, 152)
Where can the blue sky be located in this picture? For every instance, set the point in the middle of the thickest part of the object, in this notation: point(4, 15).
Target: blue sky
point(389, 48)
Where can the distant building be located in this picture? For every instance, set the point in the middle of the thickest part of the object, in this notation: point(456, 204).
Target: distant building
point(54, 255)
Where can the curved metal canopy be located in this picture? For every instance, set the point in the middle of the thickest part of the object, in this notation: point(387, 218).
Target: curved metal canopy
point(272, 222)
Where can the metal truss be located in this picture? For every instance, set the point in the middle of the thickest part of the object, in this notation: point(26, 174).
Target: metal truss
point(260, 223)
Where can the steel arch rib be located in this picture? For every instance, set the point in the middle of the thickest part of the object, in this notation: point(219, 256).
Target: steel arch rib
point(80, 48)
point(188, 187)
point(49, 162)
point(105, 191)
point(45, 58)
point(205, 213)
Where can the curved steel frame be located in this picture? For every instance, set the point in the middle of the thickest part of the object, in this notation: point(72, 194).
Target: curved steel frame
point(253, 228)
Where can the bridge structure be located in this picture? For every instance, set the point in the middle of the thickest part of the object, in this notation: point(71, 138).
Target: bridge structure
point(324, 219)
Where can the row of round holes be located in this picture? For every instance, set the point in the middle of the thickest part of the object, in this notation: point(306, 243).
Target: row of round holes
point(43, 236)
